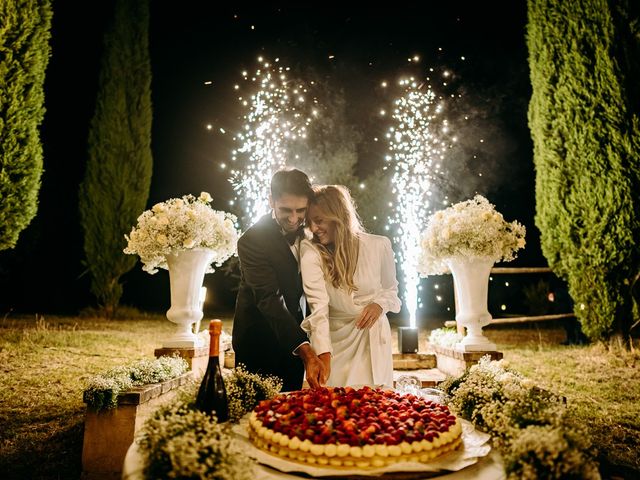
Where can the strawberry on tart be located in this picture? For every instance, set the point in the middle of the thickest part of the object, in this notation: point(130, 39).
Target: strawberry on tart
point(345, 427)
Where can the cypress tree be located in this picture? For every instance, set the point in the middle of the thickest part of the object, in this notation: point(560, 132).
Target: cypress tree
point(584, 124)
point(25, 29)
point(116, 185)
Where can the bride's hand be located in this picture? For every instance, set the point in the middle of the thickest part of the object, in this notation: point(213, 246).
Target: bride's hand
point(369, 315)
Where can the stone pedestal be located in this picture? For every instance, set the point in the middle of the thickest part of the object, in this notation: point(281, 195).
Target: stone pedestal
point(197, 358)
point(413, 361)
point(454, 362)
point(109, 433)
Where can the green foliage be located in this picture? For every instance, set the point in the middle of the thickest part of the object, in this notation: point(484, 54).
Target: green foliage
point(536, 298)
point(118, 174)
point(583, 117)
point(331, 156)
point(102, 390)
point(24, 54)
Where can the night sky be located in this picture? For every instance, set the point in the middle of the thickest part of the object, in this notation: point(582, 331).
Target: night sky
point(196, 42)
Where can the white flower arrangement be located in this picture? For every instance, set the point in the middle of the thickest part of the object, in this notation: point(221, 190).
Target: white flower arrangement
point(179, 442)
point(445, 337)
point(182, 224)
point(102, 390)
point(245, 390)
point(533, 429)
point(468, 229)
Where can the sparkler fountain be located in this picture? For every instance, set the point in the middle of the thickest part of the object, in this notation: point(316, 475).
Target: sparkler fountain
point(276, 117)
point(417, 145)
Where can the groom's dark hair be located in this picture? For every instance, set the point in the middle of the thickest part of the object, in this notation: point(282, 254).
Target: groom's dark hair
point(291, 181)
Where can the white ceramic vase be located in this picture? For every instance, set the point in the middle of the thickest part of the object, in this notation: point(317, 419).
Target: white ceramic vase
point(471, 283)
point(186, 274)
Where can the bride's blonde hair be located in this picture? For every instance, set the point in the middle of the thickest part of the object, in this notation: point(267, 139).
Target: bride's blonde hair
point(339, 261)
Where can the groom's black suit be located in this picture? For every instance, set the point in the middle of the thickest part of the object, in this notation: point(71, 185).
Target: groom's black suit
point(269, 306)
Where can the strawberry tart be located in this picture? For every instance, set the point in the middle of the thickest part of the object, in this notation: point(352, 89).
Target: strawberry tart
point(345, 427)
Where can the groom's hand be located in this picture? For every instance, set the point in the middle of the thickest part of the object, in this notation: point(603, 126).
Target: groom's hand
point(325, 358)
point(313, 366)
point(369, 315)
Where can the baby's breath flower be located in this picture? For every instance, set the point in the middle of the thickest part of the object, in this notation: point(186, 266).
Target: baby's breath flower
point(531, 427)
point(245, 390)
point(102, 390)
point(465, 230)
point(557, 453)
point(180, 442)
point(445, 337)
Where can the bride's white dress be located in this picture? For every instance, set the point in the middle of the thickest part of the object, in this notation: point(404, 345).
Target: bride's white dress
point(359, 356)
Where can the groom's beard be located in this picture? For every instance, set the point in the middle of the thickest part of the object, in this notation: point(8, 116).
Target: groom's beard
point(287, 227)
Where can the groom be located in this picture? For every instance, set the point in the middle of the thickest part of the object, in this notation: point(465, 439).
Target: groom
point(267, 337)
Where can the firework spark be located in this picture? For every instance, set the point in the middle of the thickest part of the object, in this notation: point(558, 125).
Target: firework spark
point(417, 147)
point(277, 115)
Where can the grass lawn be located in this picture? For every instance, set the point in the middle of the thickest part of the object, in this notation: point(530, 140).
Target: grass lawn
point(44, 362)
point(601, 384)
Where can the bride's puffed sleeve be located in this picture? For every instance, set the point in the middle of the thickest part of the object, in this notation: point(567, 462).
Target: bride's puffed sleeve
point(388, 297)
point(317, 323)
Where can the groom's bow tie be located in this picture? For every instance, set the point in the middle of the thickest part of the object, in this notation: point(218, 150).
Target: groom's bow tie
point(292, 236)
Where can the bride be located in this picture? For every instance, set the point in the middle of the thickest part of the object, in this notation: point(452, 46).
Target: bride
point(349, 279)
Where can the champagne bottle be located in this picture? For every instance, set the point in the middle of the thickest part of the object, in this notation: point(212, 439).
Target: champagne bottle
point(212, 396)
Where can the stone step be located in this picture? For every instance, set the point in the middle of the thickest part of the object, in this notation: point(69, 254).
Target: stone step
point(454, 362)
point(414, 361)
